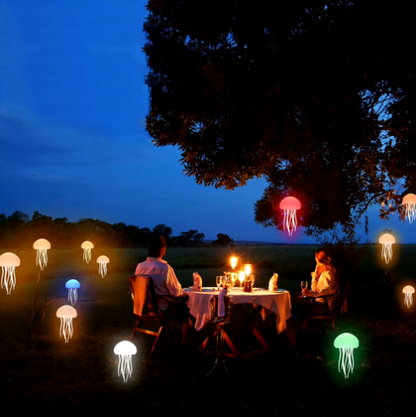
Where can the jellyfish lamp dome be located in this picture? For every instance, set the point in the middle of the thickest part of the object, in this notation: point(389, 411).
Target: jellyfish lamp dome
point(289, 205)
point(408, 292)
point(8, 262)
point(72, 285)
point(387, 240)
point(87, 246)
point(102, 267)
point(41, 246)
point(409, 201)
point(125, 350)
point(346, 343)
point(66, 313)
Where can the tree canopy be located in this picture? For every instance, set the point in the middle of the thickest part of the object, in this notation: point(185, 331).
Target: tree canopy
point(318, 97)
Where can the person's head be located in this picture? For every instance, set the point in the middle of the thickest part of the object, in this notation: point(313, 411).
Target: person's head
point(323, 257)
point(156, 247)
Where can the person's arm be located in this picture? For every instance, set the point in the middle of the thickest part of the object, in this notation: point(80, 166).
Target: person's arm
point(174, 287)
point(326, 285)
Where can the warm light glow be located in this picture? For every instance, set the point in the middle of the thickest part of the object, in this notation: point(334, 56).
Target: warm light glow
point(247, 269)
point(241, 276)
point(289, 205)
point(102, 267)
point(66, 314)
point(408, 291)
point(233, 261)
point(125, 350)
point(409, 200)
point(72, 286)
point(8, 263)
point(42, 246)
point(387, 240)
point(87, 246)
point(346, 343)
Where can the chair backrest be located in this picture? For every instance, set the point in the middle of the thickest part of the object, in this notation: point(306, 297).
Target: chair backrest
point(143, 295)
point(340, 300)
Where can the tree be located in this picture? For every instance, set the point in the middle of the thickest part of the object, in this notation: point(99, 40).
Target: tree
point(190, 238)
point(317, 97)
point(223, 240)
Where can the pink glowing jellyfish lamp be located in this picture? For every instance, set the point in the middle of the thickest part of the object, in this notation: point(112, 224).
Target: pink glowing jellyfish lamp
point(42, 246)
point(102, 267)
point(125, 350)
point(87, 246)
point(408, 292)
point(409, 201)
point(387, 240)
point(8, 263)
point(66, 314)
point(289, 205)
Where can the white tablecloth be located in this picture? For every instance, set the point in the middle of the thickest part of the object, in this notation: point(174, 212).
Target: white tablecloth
point(278, 303)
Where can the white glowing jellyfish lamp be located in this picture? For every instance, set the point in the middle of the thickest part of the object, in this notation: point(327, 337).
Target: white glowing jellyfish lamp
point(387, 240)
point(66, 314)
point(289, 205)
point(72, 285)
point(346, 343)
point(409, 201)
point(8, 263)
point(87, 246)
point(408, 292)
point(125, 350)
point(42, 246)
point(102, 265)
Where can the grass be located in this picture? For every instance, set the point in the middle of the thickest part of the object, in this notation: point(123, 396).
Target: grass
point(81, 376)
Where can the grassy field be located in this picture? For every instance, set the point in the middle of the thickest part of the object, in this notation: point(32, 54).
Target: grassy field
point(81, 376)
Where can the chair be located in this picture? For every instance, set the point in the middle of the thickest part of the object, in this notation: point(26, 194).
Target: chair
point(334, 304)
point(146, 308)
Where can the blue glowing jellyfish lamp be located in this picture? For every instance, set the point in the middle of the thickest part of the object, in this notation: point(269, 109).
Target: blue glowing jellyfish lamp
point(346, 343)
point(72, 286)
point(125, 350)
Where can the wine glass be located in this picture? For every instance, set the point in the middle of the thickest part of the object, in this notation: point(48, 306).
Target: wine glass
point(303, 285)
point(218, 280)
point(252, 278)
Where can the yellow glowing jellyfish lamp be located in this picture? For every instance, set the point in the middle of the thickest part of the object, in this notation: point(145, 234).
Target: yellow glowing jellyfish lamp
point(346, 343)
point(289, 205)
point(409, 201)
point(102, 265)
point(8, 263)
point(408, 292)
point(66, 314)
point(42, 246)
point(87, 246)
point(387, 240)
point(125, 350)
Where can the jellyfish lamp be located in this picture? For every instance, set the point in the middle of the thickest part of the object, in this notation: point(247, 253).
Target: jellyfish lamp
point(8, 263)
point(102, 267)
point(289, 205)
point(125, 350)
point(72, 286)
point(87, 246)
point(409, 201)
point(42, 246)
point(66, 314)
point(387, 240)
point(408, 291)
point(346, 343)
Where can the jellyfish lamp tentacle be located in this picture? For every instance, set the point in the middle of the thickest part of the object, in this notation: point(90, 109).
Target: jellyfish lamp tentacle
point(72, 295)
point(408, 300)
point(125, 366)
point(66, 330)
point(387, 252)
point(411, 212)
point(41, 258)
point(102, 269)
point(87, 255)
point(8, 278)
point(290, 221)
point(346, 361)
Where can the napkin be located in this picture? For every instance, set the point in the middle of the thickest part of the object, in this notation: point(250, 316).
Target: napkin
point(221, 302)
point(273, 282)
point(197, 282)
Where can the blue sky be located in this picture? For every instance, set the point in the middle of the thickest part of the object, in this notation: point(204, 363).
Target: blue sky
point(73, 143)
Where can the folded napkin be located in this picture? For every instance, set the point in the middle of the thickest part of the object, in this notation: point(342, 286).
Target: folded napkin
point(273, 282)
point(221, 302)
point(197, 282)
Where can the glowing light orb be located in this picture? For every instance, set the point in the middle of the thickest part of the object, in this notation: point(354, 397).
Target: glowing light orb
point(409, 201)
point(42, 246)
point(125, 350)
point(8, 263)
point(66, 314)
point(387, 240)
point(247, 269)
point(346, 343)
point(102, 267)
point(408, 291)
point(289, 205)
point(233, 261)
point(72, 286)
point(87, 246)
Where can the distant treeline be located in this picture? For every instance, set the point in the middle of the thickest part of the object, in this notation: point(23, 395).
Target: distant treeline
point(20, 231)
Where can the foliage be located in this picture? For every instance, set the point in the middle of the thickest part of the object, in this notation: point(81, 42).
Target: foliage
point(317, 97)
point(223, 240)
point(190, 238)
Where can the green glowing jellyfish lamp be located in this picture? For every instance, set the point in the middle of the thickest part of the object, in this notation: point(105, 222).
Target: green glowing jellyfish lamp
point(87, 246)
point(387, 240)
point(346, 343)
point(102, 265)
point(289, 205)
point(409, 201)
point(73, 285)
point(42, 246)
point(125, 350)
point(408, 292)
point(8, 262)
point(66, 314)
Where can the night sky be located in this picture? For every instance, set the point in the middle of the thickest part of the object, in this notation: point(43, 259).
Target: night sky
point(73, 143)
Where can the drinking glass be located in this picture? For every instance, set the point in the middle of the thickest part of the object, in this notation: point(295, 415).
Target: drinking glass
point(303, 284)
point(218, 280)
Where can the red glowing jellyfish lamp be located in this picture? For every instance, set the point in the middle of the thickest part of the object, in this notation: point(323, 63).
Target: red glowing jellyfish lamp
point(409, 201)
point(289, 205)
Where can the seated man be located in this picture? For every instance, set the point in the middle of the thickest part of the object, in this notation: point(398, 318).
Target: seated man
point(165, 283)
